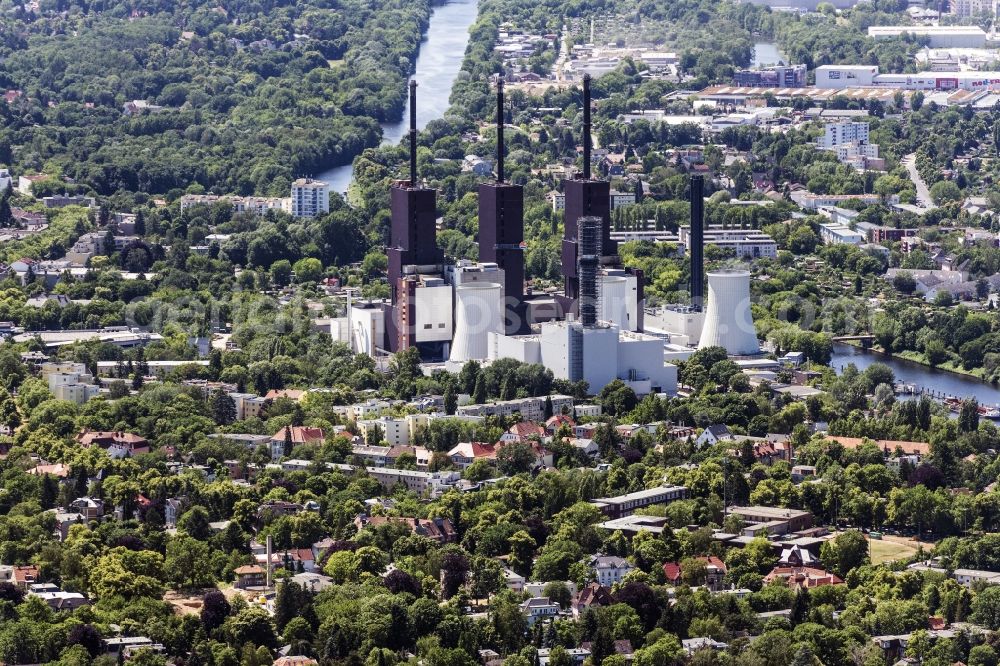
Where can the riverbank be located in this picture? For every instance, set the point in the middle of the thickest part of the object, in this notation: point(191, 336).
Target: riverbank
point(918, 358)
point(435, 69)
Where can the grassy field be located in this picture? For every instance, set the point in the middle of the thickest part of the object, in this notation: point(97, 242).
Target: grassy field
point(891, 550)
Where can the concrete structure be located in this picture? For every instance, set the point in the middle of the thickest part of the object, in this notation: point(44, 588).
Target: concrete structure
point(745, 243)
point(728, 320)
point(868, 79)
point(309, 198)
point(625, 505)
point(773, 520)
point(836, 134)
point(530, 409)
point(972, 8)
point(501, 230)
point(779, 76)
point(840, 234)
point(479, 311)
point(938, 36)
point(812, 201)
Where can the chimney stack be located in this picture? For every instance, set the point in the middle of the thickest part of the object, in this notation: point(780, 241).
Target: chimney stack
point(270, 549)
point(586, 126)
point(500, 123)
point(413, 133)
point(697, 242)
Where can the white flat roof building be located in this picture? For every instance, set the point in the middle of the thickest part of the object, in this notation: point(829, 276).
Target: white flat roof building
point(939, 35)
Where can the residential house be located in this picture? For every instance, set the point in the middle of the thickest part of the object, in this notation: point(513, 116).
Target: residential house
point(796, 556)
point(609, 569)
point(250, 575)
point(712, 435)
point(440, 530)
point(523, 432)
point(90, 508)
point(590, 596)
point(802, 577)
point(969, 577)
point(466, 453)
point(513, 580)
point(715, 572)
point(539, 609)
point(119, 444)
point(576, 655)
point(297, 435)
point(173, 508)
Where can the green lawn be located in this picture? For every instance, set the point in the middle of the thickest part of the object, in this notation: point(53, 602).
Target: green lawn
point(890, 551)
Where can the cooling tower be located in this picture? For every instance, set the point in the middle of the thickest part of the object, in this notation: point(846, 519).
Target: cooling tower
point(478, 312)
point(614, 301)
point(728, 321)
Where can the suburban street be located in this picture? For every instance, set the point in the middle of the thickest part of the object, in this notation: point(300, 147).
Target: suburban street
point(923, 193)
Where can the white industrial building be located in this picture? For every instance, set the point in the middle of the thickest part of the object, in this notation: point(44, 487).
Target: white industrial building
point(598, 355)
point(840, 77)
point(940, 36)
point(728, 320)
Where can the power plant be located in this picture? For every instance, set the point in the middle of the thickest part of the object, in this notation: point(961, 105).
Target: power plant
point(728, 321)
point(593, 331)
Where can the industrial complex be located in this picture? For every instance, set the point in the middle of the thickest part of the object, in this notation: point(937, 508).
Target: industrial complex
point(593, 330)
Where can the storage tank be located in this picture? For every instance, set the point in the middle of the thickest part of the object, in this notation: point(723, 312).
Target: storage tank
point(728, 320)
point(614, 301)
point(478, 312)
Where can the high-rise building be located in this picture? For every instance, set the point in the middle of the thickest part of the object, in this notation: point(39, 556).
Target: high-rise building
point(971, 8)
point(310, 198)
point(836, 134)
point(501, 231)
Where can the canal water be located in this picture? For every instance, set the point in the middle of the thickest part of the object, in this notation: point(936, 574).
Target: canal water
point(767, 53)
point(913, 373)
point(437, 66)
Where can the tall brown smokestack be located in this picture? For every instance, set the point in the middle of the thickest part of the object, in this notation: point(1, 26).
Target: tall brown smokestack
point(586, 126)
point(413, 133)
point(697, 242)
point(500, 123)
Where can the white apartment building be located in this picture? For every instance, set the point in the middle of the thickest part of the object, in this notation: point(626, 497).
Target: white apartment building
point(746, 243)
point(971, 8)
point(309, 198)
point(530, 409)
point(70, 381)
point(861, 156)
point(835, 134)
point(395, 431)
point(840, 234)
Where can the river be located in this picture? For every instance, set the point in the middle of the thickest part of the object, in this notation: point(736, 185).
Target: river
point(767, 53)
point(436, 68)
point(920, 375)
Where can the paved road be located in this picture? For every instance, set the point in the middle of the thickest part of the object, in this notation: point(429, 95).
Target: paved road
point(923, 193)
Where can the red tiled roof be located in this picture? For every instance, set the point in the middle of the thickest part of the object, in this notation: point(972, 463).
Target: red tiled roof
point(108, 438)
point(807, 577)
point(300, 435)
point(890, 445)
point(526, 429)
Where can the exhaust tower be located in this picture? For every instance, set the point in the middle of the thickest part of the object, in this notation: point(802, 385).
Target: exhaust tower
point(501, 230)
